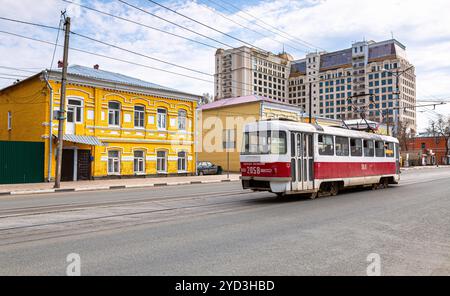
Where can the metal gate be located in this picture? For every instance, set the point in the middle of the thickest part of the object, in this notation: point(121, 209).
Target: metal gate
point(21, 162)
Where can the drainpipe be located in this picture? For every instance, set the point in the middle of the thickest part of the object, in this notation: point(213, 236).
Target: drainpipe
point(50, 127)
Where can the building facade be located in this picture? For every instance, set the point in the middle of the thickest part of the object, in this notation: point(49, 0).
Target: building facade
point(222, 123)
point(345, 84)
point(247, 71)
point(426, 149)
point(116, 126)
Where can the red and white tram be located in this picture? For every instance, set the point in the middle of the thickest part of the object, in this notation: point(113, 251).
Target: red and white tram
point(286, 157)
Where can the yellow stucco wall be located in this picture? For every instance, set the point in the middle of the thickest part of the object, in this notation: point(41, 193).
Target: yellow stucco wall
point(31, 115)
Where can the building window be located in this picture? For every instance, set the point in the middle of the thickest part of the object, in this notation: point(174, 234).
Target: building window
point(113, 162)
point(161, 161)
point(139, 162)
point(139, 115)
point(182, 161)
point(9, 120)
point(74, 111)
point(181, 120)
point(114, 113)
point(162, 119)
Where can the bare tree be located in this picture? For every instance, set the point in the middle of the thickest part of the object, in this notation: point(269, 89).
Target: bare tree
point(441, 128)
point(206, 99)
point(404, 133)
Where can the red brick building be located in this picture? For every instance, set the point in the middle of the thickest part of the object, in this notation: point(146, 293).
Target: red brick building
point(426, 149)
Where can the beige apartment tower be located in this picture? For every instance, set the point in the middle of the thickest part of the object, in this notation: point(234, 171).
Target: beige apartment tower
point(344, 84)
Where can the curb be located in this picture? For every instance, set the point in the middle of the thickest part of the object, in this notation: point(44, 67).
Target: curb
point(114, 187)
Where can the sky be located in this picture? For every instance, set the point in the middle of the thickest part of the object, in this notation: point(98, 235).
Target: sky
point(306, 25)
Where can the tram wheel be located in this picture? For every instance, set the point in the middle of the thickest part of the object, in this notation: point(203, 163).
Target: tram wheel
point(334, 189)
point(314, 195)
point(280, 195)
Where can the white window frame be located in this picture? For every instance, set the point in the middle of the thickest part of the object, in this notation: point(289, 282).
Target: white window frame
point(114, 160)
point(141, 115)
point(113, 111)
point(182, 120)
point(165, 162)
point(185, 161)
point(9, 120)
point(140, 160)
point(76, 107)
point(161, 116)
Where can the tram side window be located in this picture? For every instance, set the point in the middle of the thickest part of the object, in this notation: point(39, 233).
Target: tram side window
point(379, 149)
point(389, 149)
point(356, 147)
point(369, 148)
point(342, 147)
point(326, 146)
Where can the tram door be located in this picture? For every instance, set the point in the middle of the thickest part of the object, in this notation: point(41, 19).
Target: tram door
point(302, 159)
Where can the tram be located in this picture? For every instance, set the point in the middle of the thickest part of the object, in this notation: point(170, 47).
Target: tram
point(287, 157)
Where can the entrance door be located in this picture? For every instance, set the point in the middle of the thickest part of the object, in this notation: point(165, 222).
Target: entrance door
point(296, 161)
point(84, 165)
point(70, 122)
point(307, 156)
point(67, 165)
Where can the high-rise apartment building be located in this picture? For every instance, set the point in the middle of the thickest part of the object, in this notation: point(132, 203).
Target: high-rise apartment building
point(246, 71)
point(343, 84)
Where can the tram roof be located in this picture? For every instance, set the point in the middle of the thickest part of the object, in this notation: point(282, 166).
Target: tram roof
point(314, 128)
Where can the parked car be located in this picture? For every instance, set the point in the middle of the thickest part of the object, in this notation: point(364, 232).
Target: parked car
point(208, 168)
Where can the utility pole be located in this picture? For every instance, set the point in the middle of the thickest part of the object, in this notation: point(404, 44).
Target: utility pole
point(62, 104)
point(310, 102)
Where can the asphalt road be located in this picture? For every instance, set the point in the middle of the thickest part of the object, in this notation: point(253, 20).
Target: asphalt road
point(219, 229)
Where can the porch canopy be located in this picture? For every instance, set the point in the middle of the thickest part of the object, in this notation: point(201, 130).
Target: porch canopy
point(87, 140)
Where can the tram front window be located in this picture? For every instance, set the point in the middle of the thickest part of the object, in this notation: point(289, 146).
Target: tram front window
point(265, 142)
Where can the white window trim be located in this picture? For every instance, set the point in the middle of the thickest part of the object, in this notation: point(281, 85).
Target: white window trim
point(119, 110)
point(143, 161)
point(165, 119)
point(185, 161)
point(166, 158)
point(76, 106)
point(119, 166)
point(185, 120)
point(144, 118)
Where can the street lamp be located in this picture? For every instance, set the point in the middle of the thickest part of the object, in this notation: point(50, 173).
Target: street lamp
point(396, 94)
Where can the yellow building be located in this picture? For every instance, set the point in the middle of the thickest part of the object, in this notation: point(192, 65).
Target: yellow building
point(116, 126)
point(222, 124)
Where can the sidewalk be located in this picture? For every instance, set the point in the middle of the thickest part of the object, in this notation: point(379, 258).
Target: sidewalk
point(36, 188)
point(424, 167)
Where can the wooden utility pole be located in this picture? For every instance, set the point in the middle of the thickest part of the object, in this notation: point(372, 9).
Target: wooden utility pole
point(62, 104)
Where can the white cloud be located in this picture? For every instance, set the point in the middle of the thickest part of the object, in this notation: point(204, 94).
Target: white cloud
point(331, 24)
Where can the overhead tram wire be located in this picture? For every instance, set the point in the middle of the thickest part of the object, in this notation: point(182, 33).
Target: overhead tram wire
point(163, 31)
point(140, 24)
point(18, 69)
point(262, 27)
point(115, 59)
point(190, 30)
point(250, 29)
point(291, 37)
point(203, 24)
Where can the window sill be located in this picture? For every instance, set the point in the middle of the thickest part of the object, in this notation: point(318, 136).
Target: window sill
point(162, 173)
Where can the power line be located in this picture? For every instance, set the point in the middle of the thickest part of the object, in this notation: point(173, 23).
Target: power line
point(140, 54)
point(139, 24)
point(258, 25)
point(115, 59)
point(305, 43)
point(18, 69)
point(248, 28)
point(203, 24)
point(28, 23)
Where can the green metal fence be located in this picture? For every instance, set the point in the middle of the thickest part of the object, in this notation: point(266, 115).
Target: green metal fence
point(21, 162)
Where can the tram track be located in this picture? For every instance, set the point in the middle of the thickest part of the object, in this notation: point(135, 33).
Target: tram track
point(68, 207)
